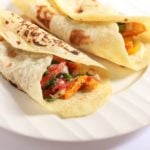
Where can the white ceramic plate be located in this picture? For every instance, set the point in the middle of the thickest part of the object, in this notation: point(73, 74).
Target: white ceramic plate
point(127, 110)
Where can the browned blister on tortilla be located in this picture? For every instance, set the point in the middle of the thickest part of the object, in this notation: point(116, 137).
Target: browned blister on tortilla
point(78, 37)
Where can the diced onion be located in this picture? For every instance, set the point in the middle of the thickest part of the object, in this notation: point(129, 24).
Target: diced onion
point(97, 77)
point(65, 69)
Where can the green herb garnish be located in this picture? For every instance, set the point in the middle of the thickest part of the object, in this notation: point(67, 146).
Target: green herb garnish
point(46, 73)
point(51, 83)
point(121, 27)
point(88, 74)
point(65, 76)
point(55, 62)
point(50, 99)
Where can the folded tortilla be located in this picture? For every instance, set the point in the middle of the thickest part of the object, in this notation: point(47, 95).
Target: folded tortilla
point(84, 10)
point(90, 11)
point(101, 39)
point(31, 51)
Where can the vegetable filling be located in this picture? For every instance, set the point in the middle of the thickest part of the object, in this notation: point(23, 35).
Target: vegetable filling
point(63, 79)
point(129, 32)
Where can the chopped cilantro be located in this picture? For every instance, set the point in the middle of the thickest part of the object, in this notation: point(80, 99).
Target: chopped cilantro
point(55, 62)
point(88, 74)
point(121, 27)
point(50, 99)
point(65, 76)
point(51, 83)
point(46, 73)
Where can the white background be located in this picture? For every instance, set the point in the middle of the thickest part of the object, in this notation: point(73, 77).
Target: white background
point(135, 141)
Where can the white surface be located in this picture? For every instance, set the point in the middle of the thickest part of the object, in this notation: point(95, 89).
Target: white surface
point(130, 7)
point(136, 141)
point(133, 115)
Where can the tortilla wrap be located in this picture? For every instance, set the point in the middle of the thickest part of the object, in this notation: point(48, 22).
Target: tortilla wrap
point(90, 11)
point(100, 39)
point(83, 10)
point(25, 61)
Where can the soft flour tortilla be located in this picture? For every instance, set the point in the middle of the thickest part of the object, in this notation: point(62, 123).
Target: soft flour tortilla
point(90, 11)
point(26, 65)
point(83, 10)
point(27, 36)
point(100, 39)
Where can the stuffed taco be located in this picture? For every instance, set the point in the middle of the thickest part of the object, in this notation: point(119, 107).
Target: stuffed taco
point(59, 77)
point(124, 42)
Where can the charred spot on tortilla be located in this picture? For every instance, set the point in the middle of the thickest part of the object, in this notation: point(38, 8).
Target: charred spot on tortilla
point(38, 43)
point(79, 10)
point(44, 15)
point(29, 41)
point(60, 43)
point(18, 42)
point(26, 33)
point(68, 17)
point(32, 33)
point(35, 34)
point(9, 65)
point(6, 22)
point(12, 14)
point(126, 19)
point(122, 66)
point(12, 53)
point(78, 37)
point(75, 52)
point(1, 39)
